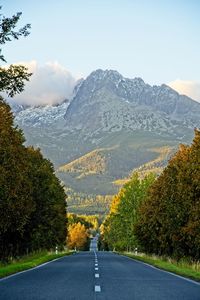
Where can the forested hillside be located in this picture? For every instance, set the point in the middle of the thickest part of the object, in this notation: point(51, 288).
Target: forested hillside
point(110, 127)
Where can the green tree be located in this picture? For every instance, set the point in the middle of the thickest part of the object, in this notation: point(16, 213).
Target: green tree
point(32, 200)
point(12, 78)
point(118, 228)
point(47, 226)
point(74, 218)
point(16, 205)
point(170, 216)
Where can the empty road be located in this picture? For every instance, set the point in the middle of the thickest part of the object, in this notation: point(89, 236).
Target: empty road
point(97, 275)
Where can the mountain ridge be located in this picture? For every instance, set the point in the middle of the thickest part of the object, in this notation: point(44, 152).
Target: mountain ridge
point(113, 120)
point(103, 90)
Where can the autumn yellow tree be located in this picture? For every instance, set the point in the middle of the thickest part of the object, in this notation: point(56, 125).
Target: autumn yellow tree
point(77, 236)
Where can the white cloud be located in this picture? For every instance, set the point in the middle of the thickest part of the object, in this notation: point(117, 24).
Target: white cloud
point(187, 87)
point(49, 84)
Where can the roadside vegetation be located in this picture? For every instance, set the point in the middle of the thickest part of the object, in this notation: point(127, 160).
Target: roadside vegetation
point(160, 216)
point(28, 262)
point(32, 199)
point(183, 267)
point(80, 229)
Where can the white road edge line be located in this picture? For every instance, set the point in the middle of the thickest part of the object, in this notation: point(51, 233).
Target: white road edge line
point(37, 267)
point(96, 265)
point(97, 288)
point(176, 275)
point(96, 269)
point(96, 275)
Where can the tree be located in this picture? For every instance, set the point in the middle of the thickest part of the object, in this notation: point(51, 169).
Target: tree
point(16, 204)
point(14, 183)
point(74, 218)
point(47, 226)
point(77, 237)
point(169, 218)
point(118, 227)
point(32, 200)
point(12, 78)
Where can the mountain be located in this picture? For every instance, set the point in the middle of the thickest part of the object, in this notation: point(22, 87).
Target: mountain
point(41, 116)
point(110, 127)
point(108, 102)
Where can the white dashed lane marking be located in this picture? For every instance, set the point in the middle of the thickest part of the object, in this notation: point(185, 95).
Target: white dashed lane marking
point(97, 288)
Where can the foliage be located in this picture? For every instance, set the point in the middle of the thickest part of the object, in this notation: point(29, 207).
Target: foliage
point(183, 267)
point(12, 78)
point(16, 205)
point(90, 204)
point(118, 227)
point(32, 201)
point(7, 26)
point(29, 261)
point(90, 222)
point(169, 221)
point(78, 237)
point(47, 226)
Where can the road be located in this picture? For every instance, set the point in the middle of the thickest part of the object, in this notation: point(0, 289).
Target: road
point(97, 275)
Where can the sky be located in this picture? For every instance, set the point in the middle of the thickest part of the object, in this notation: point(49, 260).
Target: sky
point(157, 40)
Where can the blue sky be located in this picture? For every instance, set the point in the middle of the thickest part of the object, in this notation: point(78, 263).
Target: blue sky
point(156, 40)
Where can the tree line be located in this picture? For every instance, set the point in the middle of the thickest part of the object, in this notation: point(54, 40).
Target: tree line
point(159, 215)
point(80, 229)
point(32, 200)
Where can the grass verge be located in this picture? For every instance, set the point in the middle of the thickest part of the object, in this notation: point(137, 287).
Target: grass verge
point(28, 262)
point(182, 267)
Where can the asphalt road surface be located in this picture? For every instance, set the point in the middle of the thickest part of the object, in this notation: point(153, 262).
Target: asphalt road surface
point(97, 275)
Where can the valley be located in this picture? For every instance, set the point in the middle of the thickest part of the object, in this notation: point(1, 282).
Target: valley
point(111, 127)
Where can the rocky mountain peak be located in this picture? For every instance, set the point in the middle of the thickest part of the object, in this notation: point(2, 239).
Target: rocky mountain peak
point(112, 79)
point(114, 122)
point(100, 74)
point(138, 81)
point(107, 101)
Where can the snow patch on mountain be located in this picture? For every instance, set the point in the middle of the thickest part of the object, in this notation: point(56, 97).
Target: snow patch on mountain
point(108, 102)
point(42, 116)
